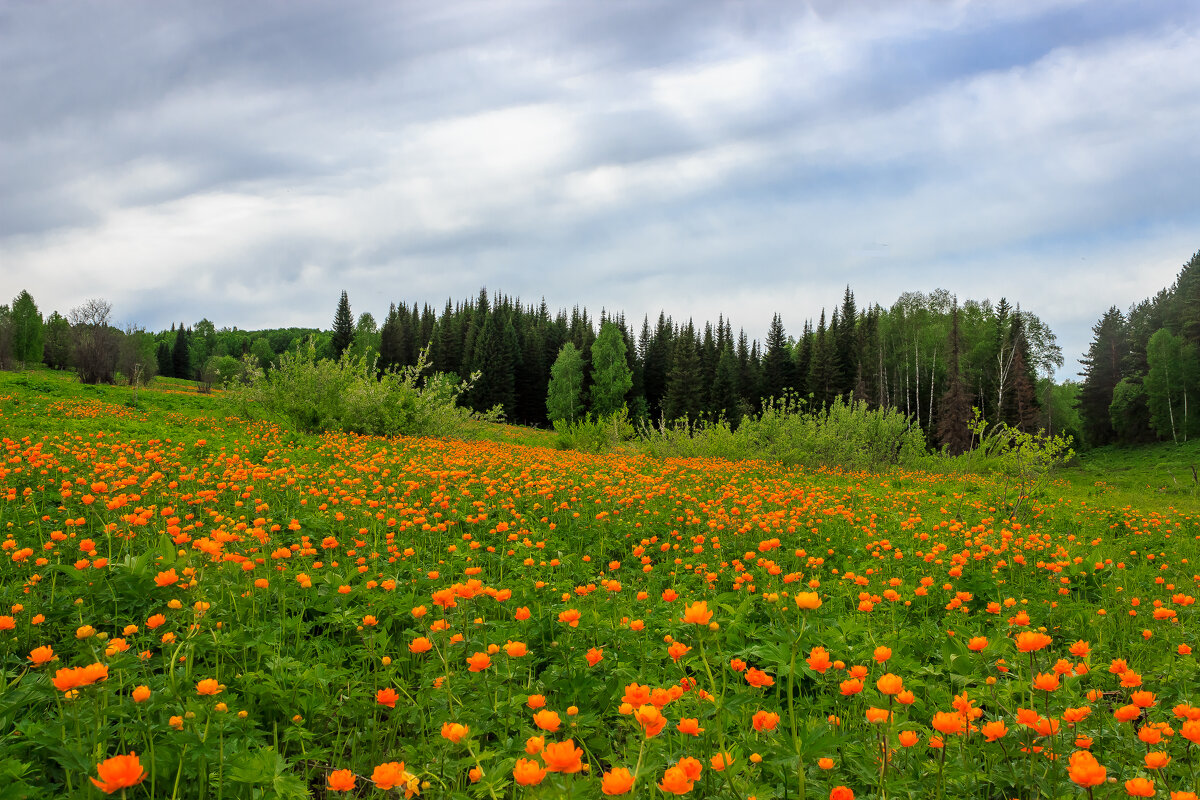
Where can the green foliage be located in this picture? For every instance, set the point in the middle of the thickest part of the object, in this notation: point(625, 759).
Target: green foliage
point(1023, 460)
point(593, 434)
point(27, 330)
point(564, 396)
point(611, 376)
point(845, 433)
point(1128, 412)
point(343, 327)
point(315, 394)
point(1174, 373)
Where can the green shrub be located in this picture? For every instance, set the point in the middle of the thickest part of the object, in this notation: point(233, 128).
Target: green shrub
point(351, 395)
point(846, 433)
point(594, 434)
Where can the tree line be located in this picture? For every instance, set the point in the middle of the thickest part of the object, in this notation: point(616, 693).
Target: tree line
point(1142, 370)
point(926, 355)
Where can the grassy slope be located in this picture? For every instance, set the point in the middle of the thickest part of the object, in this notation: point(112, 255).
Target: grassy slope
point(1149, 477)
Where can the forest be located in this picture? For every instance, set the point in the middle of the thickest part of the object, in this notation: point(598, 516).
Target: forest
point(931, 357)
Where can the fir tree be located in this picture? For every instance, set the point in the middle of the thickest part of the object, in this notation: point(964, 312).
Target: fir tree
point(684, 387)
point(954, 413)
point(778, 372)
point(27, 330)
point(343, 327)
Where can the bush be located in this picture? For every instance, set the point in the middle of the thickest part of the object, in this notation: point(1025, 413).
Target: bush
point(352, 395)
point(594, 434)
point(846, 433)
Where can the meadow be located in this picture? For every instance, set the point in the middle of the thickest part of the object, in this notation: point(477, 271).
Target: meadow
point(196, 605)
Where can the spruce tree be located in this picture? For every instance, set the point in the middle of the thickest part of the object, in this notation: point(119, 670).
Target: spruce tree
point(181, 354)
point(684, 388)
point(57, 349)
point(343, 327)
point(778, 371)
point(726, 398)
point(954, 413)
point(27, 330)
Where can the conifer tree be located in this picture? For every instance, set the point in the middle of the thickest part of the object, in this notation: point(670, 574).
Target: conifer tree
point(726, 398)
point(778, 371)
point(57, 350)
point(181, 354)
point(27, 330)
point(343, 327)
point(684, 388)
point(954, 413)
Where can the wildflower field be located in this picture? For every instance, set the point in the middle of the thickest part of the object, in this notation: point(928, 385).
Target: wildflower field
point(193, 605)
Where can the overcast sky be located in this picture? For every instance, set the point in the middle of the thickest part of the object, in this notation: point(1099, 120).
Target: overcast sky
point(246, 162)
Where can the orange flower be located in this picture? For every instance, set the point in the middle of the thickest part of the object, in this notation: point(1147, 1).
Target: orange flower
point(1046, 682)
point(140, 694)
point(41, 655)
point(119, 772)
point(677, 650)
point(515, 649)
point(1080, 649)
point(594, 656)
point(390, 774)
point(387, 697)
point(67, 679)
point(619, 781)
point(996, 729)
point(818, 660)
point(1085, 770)
point(563, 757)
point(877, 715)
point(948, 722)
point(1143, 699)
point(420, 645)
point(454, 731)
point(651, 719)
point(977, 643)
point(1127, 713)
point(697, 613)
point(341, 780)
point(890, 684)
point(841, 793)
point(1030, 641)
point(155, 621)
point(479, 662)
point(909, 738)
point(757, 678)
point(765, 720)
point(547, 720)
point(534, 744)
point(636, 695)
point(528, 772)
point(720, 761)
point(851, 687)
point(1073, 715)
point(676, 781)
point(882, 654)
point(535, 701)
point(1139, 787)
point(808, 601)
point(1157, 760)
point(570, 617)
point(690, 726)
point(167, 578)
point(209, 686)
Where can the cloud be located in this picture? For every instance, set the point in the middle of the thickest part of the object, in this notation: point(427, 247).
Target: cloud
point(246, 163)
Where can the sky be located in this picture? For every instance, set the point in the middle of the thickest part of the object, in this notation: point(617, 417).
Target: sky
point(247, 162)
